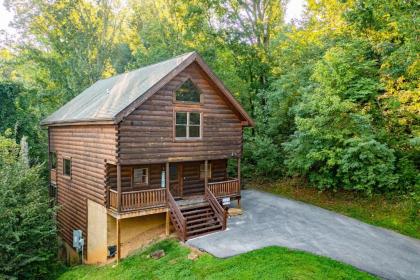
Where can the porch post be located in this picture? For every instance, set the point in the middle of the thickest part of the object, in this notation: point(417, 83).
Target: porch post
point(118, 240)
point(167, 177)
point(119, 187)
point(167, 231)
point(239, 181)
point(239, 172)
point(206, 180)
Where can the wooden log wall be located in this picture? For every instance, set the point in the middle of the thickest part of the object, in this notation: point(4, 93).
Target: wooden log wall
point(193, 184)
point(88, 147)
point(147, 134)
point(154, 177)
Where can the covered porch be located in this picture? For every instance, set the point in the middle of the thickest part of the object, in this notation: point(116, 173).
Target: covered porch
point(146, 187)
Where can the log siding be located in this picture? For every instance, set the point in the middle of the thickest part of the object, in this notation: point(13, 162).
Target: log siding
point(88, 147)
point(147, 134)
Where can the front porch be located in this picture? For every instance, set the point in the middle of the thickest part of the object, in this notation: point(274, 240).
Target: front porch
point(156, 198)
point(184, 180)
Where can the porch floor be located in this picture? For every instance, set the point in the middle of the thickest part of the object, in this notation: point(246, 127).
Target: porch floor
point(190, 200)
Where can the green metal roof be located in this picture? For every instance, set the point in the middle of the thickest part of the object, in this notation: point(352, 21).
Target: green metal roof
point(103, 100)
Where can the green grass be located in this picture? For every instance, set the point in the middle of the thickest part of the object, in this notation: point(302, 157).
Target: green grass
point(392, 213)
point(267, 263)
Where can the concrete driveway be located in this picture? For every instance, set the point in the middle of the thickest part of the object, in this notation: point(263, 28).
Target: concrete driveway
point(271, 220)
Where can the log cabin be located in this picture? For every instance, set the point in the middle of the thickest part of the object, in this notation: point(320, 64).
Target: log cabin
point(138, 154)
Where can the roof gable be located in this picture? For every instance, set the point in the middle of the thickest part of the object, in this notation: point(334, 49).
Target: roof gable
point(115, 98)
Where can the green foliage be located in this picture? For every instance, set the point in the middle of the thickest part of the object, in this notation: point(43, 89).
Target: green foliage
point(262, 158)
point(27, 225)
point(20, 115)
point(334, 127)
point(366, 165)
point(335, 98)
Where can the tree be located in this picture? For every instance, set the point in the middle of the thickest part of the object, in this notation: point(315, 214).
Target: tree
point(27, 226)
point(70, 42)
point(334, 143)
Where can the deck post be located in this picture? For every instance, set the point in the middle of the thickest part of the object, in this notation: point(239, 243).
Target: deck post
point(119, 187)
point(206, 179)
point(239, 181)
point(239, 172)
point(118, 241)
point(167, 223)
point(167, 177)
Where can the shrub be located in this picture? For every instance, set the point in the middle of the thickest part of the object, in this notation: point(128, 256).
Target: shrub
point(27, 226)
point(261, 158)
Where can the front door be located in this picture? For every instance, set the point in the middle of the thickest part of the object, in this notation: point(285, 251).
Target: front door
point(175, 179)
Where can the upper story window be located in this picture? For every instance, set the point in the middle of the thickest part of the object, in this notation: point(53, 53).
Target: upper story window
point(140, 176)
point(188, 92)
point(53, 160)
point(188, 125)
point(67, 167)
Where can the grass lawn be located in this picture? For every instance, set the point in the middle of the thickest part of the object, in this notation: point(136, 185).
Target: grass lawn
point(267, 263)
point(388, 213)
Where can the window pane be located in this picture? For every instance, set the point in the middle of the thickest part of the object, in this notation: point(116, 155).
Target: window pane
point(173, 172)
point(195, 131)
point(67, 167)
point(181, 131)
point(188, 92)
point(195, 118)
point(53, 158)
point(140, 175)
point(181, 118)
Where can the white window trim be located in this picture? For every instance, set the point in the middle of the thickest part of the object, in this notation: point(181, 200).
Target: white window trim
point(188, 126)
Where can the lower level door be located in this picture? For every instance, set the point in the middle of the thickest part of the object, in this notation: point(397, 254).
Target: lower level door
point(175, 179)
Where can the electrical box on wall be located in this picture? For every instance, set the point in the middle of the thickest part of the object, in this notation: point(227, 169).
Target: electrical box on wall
point(78, 240)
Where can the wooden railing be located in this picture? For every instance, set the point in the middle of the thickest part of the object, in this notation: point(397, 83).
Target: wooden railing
point(177, 218)
point(136, 200)
point(221, 213)
point(230, 187)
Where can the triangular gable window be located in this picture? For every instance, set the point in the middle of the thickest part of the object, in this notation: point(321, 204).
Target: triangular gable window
point(188, 92)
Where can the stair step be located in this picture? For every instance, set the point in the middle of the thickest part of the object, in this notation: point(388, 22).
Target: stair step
point(202, 230)
point(198, 211)
point(194, 221)
point(203, 225)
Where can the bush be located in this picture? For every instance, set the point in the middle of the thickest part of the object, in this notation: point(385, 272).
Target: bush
point(27, 227)
point(366, 165)
point(261, 158)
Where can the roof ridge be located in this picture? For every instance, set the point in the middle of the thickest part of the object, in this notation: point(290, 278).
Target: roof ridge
point(149, 65)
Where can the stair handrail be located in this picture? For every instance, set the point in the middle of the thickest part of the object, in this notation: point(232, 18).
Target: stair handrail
point(220, 212)
point(178, 219)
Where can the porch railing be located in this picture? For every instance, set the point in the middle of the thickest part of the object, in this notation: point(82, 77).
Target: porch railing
point(135, 200)
point(220, 212)
point(226, 188)
point(177, 218)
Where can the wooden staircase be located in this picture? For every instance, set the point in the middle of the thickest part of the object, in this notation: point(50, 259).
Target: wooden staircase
point(200, 219)
point(197, 219)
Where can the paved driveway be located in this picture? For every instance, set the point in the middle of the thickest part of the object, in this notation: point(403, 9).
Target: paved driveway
point(271, 220)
